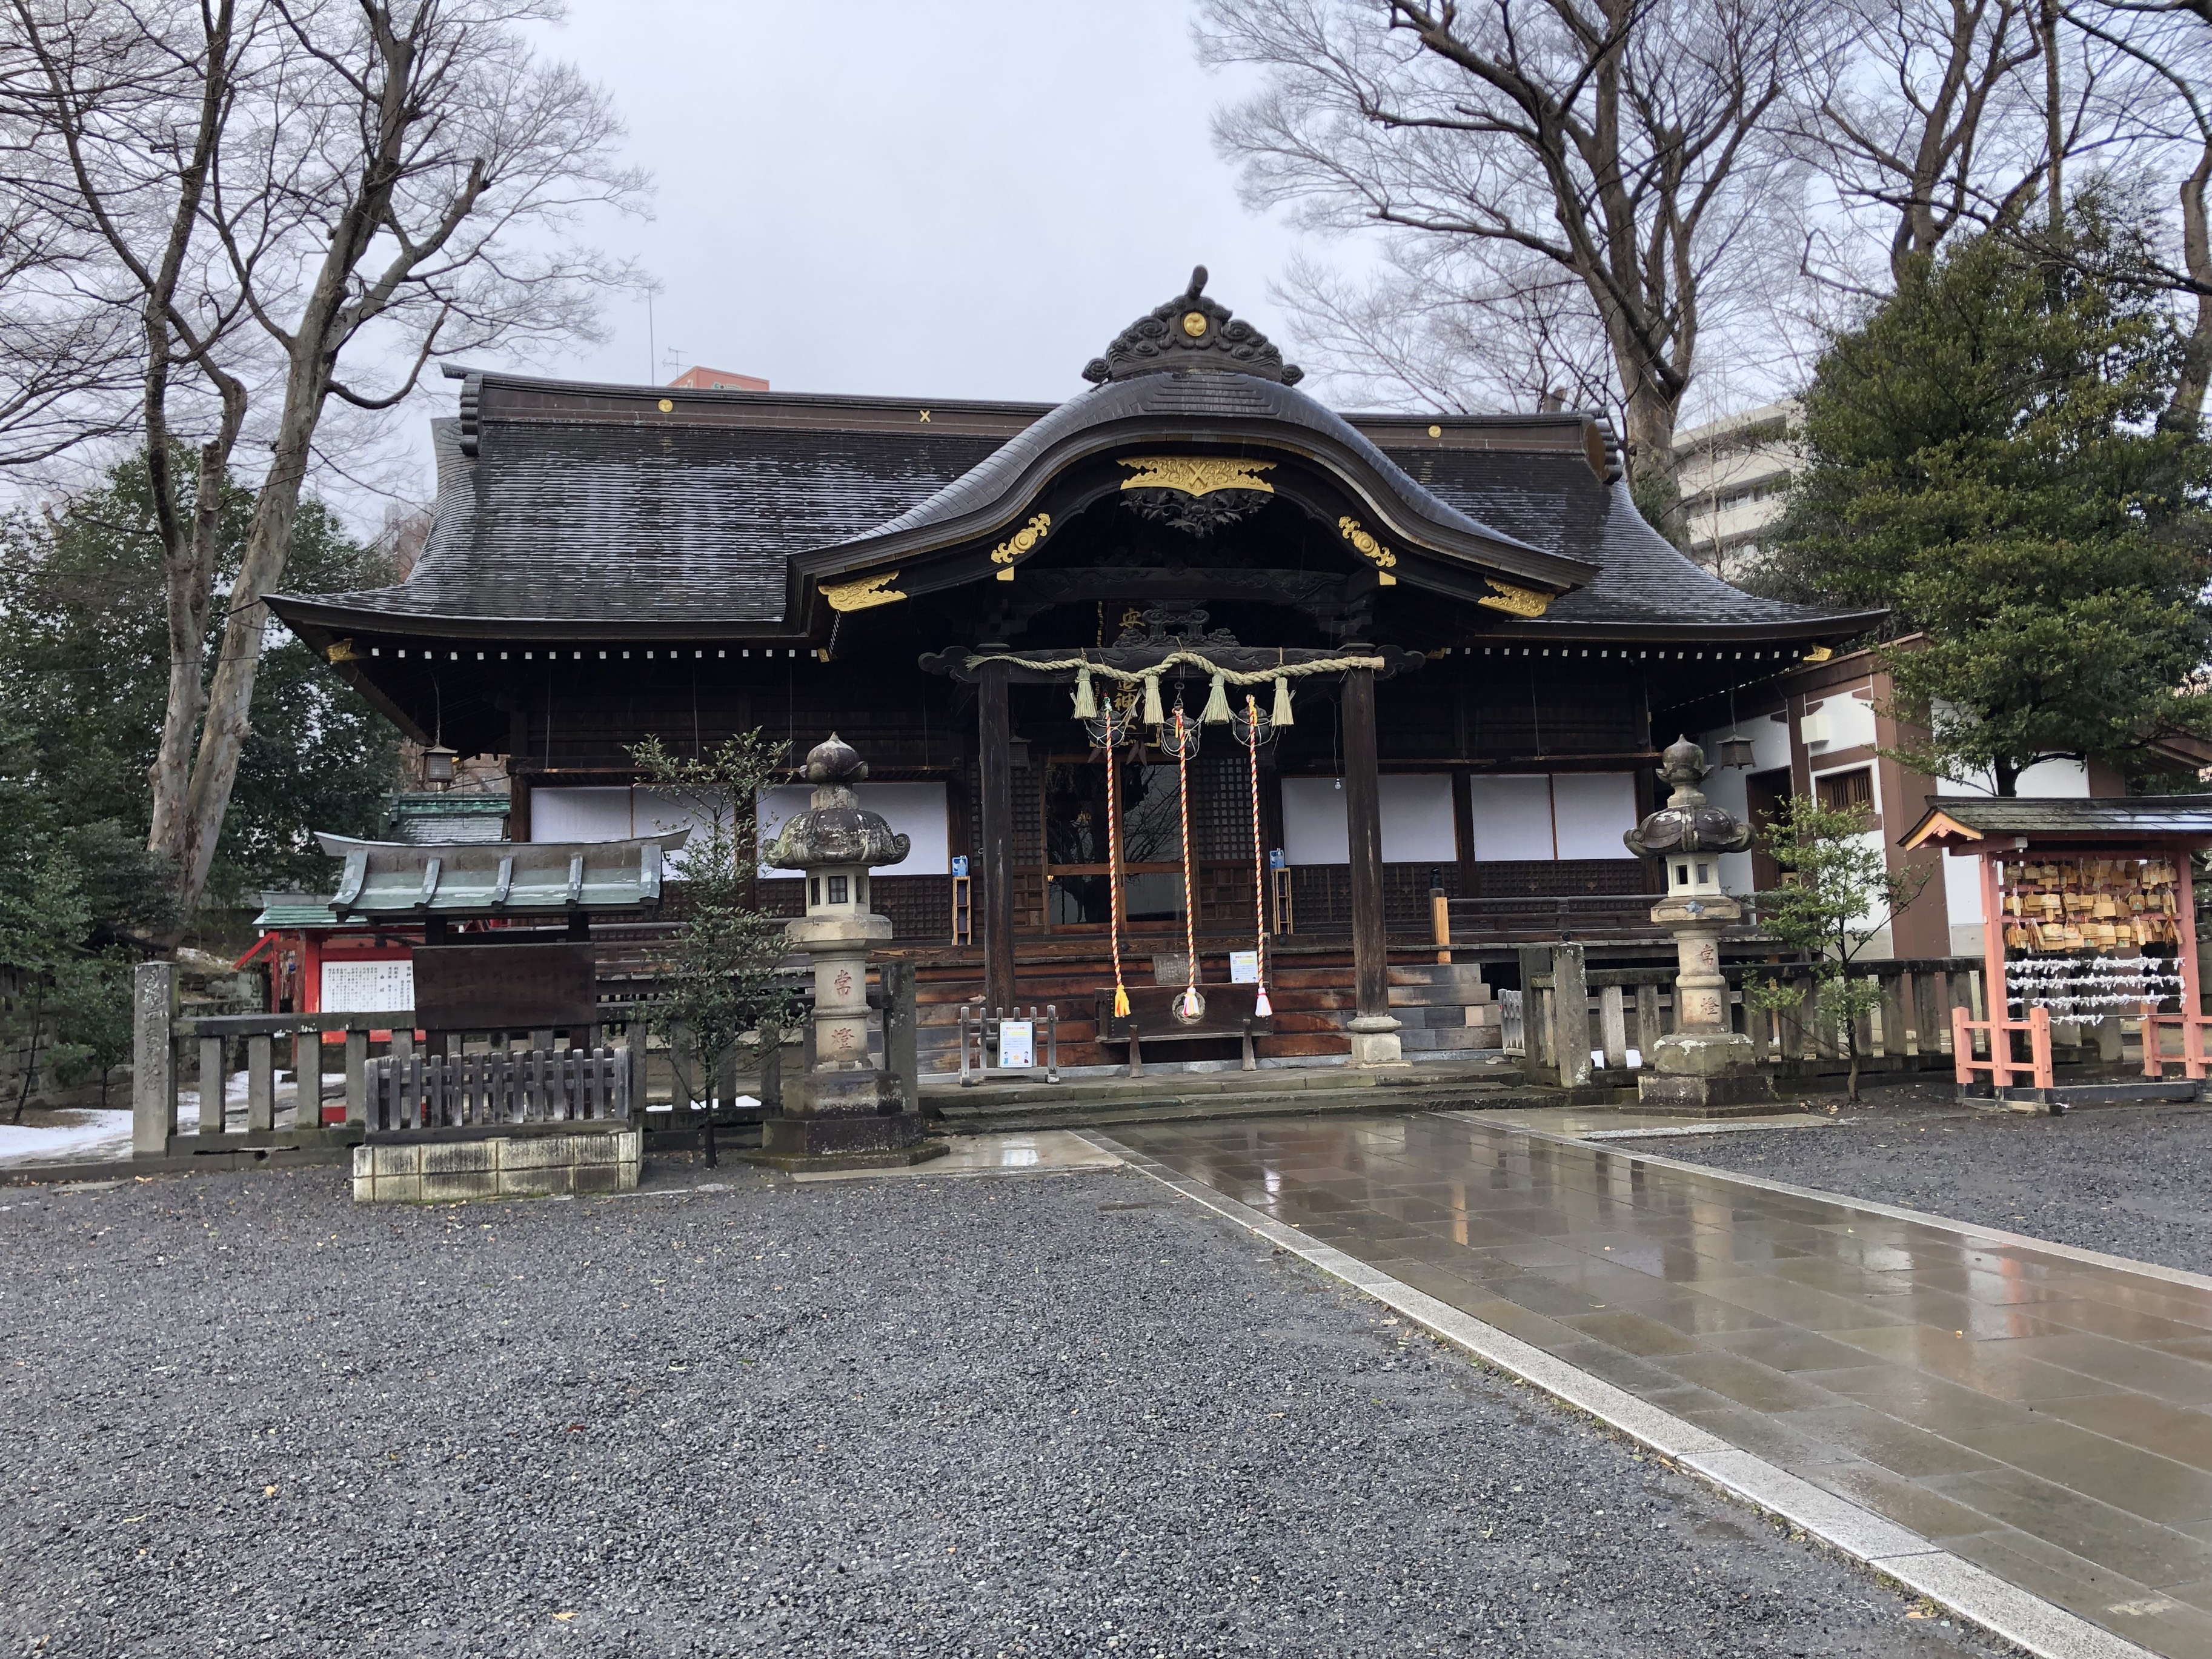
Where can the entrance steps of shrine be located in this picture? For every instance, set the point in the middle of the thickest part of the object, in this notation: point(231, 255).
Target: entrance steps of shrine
point(1166, 1095)
point(1446, 1011)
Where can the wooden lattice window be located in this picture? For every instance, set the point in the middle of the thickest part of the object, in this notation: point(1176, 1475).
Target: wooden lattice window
point(1847, 792)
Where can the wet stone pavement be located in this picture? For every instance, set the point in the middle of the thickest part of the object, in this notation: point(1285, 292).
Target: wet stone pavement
point(2042, 1417)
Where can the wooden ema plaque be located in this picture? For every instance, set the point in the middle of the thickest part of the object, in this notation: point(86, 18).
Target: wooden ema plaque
point(506, 988)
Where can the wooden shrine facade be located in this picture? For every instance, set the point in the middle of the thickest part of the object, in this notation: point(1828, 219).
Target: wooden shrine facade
point(611, 563)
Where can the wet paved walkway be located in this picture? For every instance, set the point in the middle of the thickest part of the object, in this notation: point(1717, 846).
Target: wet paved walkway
point(2046, 1418)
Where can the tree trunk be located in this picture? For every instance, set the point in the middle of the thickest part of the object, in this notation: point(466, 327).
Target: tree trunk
point(2185, 411)
point(226, 725)
point(31, 1058)
point(1653, 467)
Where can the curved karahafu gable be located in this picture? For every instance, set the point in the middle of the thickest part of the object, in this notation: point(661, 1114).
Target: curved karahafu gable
point(1192, 403)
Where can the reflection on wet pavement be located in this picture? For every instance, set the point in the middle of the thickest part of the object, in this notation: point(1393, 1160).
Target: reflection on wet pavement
point(2047, 1419)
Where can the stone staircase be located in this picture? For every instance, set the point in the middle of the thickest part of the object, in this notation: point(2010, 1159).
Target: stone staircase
point(1446, 1011)
point(1162, 1095)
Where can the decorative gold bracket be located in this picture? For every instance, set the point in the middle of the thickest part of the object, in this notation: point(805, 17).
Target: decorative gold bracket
point(863, 592)
point(343, 651)
point(1196, 475)
point(1515, 601)
point(1371, 549)
point(1020, 543)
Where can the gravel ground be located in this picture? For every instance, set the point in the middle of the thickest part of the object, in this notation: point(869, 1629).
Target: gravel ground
point(1034, 1416)
point(2129, 1181)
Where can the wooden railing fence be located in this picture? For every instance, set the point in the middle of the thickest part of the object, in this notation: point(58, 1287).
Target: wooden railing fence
point(356, 1072)
point(1571, 1012)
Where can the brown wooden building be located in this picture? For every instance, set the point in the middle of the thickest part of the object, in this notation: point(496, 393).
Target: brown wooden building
point(614, 561)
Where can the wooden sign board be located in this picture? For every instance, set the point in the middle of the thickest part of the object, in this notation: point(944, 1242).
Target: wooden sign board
point(1230, 1010)
point(506, 988)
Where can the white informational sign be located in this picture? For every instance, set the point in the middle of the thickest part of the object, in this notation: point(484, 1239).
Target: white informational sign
point(368, 987)
point(1244, 967)
point(1017, 1043)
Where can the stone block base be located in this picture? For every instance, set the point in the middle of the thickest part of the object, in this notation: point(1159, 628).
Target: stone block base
point(459, 1171)
point(1729, 1094)
point(845, 1143)
point(1375, 1041)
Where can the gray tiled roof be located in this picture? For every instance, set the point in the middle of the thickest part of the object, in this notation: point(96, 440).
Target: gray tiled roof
point(571, 505)
point(1552, 500)
point(683, 525)
point(2098, 816)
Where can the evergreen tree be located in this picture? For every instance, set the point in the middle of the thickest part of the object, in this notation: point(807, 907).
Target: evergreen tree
point(1983, 458)
point(84, 666)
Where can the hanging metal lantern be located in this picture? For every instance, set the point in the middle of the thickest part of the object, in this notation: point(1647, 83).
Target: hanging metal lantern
point(1736, 751)
point(1112, 727)
point(438, 764)
point(1179, 736)
point(1250, 728)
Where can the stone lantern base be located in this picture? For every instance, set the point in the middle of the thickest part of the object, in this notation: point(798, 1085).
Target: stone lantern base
point(1704, 1074)
point(841, 1121)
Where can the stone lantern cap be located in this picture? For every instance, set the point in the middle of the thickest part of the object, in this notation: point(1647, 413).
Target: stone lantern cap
point(1688, 823)
point(835, 829)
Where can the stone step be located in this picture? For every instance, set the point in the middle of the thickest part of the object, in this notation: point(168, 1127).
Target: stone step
point(1169, 1105)
point(1440, 1073)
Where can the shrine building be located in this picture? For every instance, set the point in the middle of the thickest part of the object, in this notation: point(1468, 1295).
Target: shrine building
point(1480, 648)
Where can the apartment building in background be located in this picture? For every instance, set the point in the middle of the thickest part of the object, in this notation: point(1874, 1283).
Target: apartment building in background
point(1734, 471)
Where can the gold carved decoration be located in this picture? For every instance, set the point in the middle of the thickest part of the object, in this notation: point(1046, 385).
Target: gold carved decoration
point(863, 592)
point(1020, 543)
point(1369, 548)
point(1197, 474)
point(343, 651)
point(1515, 601)
point(1194, 323)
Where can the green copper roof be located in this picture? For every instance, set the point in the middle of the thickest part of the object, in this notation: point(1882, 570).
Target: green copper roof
point(388, 880)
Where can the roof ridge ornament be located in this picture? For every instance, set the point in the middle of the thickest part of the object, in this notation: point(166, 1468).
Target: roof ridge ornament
point(1191, 332)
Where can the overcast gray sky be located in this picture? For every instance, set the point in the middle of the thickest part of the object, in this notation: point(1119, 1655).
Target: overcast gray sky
point(963, 198)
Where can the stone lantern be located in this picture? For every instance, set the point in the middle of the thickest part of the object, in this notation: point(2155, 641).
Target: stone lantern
point(844, 1112)
point(1702, 1066)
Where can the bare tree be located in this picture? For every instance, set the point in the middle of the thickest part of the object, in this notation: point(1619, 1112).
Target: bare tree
point(1951, 113)
point(1928, 109)
point(1625, 143)
point(304, 193)
point(2171, 42)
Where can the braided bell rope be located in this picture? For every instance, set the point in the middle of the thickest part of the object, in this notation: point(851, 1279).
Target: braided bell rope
point(1262, 1008)
point(1190, 897)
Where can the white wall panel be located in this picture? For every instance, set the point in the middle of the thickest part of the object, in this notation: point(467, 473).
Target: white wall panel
point(916, 811)
point(1512, 817)
point(573, 814)
point(1417, 818)
point(1314, 830)
point(1591, 812)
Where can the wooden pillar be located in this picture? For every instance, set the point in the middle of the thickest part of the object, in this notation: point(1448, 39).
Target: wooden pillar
point(996, 848)
point(1375, 1034)
point(1362, 811)
point(1994, 998)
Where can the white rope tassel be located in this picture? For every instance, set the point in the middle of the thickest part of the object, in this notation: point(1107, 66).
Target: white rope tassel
point(1283, 700)
point(1086, 705)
